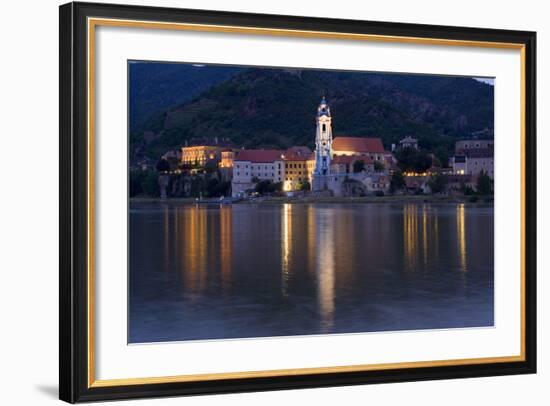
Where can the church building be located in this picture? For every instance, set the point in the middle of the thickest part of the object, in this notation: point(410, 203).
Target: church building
point(333, 159)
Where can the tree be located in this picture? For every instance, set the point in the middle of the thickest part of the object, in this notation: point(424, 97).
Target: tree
point(305, 185)
point(263, 187)
point(358, 166)
point(275, 187)
point(136, 180)
point(438, 182)
point(216, 188)
point(483, 185)
point(378, 166)
point(397, 181)
point(211, 167)
point(150, 184)
point(466, 189)
point(413, 160)
point(442, 154)
point(162, 165)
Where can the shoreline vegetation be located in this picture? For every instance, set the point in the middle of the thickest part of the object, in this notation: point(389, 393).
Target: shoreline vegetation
point(405, 199)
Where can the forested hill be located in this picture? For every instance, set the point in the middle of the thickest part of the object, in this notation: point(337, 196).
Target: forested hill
point(158, 86)
point(275, 108)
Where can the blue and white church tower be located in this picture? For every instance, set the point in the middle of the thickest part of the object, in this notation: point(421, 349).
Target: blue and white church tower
point(323, 145)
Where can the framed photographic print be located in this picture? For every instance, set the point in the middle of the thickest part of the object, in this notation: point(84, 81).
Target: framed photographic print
point(254, 202)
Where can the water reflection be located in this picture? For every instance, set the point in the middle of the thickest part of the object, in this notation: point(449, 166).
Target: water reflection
point(194, 248)
point(420, 236)
point(410, 236)
point(226, 245)
point(225, 271)
point(461, 235)
point(166, 237)
point(286, 247)
point(325, 268)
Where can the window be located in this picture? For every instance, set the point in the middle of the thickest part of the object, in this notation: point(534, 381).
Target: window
point(324, 127)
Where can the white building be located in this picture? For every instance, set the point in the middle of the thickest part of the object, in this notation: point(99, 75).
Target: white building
point(323, 144)
point(256, 165)
point(473, 157)
point(408, 142)
point(334, 158)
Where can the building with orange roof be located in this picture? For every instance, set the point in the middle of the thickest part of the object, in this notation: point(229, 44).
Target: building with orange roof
point(331, 166)
point(371, 147)
point(252, 165)
point(298, 168)
point(344, 163)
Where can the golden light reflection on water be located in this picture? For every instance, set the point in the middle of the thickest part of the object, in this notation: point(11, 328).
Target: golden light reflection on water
point(286, 247)
point(425, 235)
point(194, 249)
point(420, 236)
point(311, 238)
point(166, 237)
point(175, 211)
point(410, 236)
point(313, 262)
point(461, 236)
point(226, 245)
point(325, 269)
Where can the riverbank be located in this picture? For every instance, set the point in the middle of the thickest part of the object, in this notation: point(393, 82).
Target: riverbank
point(439, 199)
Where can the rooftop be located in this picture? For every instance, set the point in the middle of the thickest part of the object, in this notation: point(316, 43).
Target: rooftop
point(297, 153)
point(358, 144)
point(348, 159)
point(408, 140)
point(259, 155)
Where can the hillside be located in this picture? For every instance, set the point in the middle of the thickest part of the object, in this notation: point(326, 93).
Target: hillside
point(155, 86)
point(274, 108)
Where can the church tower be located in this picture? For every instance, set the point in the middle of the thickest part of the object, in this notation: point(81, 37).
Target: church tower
point(323, 140)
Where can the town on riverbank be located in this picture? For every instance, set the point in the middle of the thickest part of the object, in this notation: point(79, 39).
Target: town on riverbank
point(339, 169)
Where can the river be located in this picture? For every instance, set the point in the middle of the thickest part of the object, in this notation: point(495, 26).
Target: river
point(232, 271)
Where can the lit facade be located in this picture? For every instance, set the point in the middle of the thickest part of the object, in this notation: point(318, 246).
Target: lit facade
point(298, 168)
point(408, 142)
point(250, 166)
point(200, 155)
point(332, 168)
point(323, 140)
point(369, 147)
point(227, 158)
point(473, 157)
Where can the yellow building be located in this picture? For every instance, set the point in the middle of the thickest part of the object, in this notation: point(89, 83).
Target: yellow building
point(298, 167)
point(227, 158)
point(200, 155)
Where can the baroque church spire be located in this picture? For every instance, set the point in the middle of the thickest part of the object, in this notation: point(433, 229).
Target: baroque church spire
point(323, 139)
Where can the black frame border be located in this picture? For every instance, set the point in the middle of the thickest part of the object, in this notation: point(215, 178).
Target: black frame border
point(73, 195)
